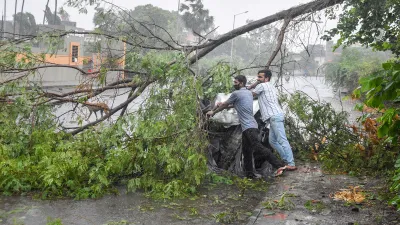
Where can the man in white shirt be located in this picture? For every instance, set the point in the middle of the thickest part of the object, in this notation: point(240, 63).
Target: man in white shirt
point(272, 112)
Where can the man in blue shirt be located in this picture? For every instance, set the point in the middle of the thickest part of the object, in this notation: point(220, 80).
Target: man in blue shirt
point(242, 101)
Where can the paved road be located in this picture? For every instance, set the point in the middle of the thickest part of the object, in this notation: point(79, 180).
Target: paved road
point(310, 185)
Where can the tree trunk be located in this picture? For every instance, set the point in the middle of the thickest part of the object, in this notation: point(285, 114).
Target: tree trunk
point(47, 4)
point(15, 17)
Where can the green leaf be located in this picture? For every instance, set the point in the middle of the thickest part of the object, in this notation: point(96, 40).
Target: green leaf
point(359, 106)
point(357, 92)
point(376, 81)
point(396, 66)
point(386, 45)
point(387, 66)
point(365, 85)
point(383, 130)
point(394, 130)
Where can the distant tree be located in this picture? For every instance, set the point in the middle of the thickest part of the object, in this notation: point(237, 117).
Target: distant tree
point(63, 14)
point(308, 63)
point(353, 64)
point(143, 23)
point(26, 22)
point(106, 20)
point(51, 19)
point(153, 15)
point(196, 17)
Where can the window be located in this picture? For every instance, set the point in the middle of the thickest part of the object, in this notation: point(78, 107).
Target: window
point(75, 51)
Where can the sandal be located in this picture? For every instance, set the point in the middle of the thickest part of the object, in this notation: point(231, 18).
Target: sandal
point(280, 171)
point(291, 168)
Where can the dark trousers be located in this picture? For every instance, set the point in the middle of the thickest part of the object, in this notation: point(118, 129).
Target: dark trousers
point(250, 144)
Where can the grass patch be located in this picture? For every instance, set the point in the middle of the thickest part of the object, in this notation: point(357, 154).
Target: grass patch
point(314, 205)
point(283, 203)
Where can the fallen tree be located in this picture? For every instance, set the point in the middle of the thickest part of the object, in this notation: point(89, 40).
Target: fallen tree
point(157, 148)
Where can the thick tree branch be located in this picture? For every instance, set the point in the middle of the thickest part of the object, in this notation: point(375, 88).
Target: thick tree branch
point(289, 13)
point(279, 44)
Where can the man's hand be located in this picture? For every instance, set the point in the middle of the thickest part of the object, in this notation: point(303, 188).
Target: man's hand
point(210, 113)
point(253, 85)
point(218, 108)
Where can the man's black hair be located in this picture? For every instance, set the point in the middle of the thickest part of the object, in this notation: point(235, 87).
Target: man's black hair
point(266, 72)
point(241, 79)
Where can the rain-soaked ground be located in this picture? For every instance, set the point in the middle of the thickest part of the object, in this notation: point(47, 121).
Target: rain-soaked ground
point(308, 192)
point(214, 202)
point(300, 197)
point(309, 198)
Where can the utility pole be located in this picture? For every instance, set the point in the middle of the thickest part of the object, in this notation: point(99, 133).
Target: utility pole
point(5, 15)
point(5, 18)
point(55, 13)
point(2, 25)
point(20, 18)
point(177, 21)
point(233, 27)
point(15, 15)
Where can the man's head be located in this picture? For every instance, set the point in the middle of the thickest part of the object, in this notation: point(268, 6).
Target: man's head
point(264, 75)
point(239, 82)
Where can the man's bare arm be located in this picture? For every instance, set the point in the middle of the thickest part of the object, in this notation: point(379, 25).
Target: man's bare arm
point(217, 109)
point(219, 103)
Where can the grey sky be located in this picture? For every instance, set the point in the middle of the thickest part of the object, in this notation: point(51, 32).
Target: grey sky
point(222, 10)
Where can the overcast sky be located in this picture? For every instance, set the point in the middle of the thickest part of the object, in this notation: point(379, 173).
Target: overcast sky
point(222, 10)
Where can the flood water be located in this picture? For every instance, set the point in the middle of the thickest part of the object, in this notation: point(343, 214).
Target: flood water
point(315, 87)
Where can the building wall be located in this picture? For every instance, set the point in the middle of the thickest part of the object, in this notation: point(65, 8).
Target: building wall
point(330, 54)
point(320, 60)
point(87, 59)
point(62, 76)
point(85, 43)
point(8, 28)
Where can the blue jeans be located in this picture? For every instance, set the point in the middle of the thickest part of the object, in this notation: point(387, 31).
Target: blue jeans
point(278, 140)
